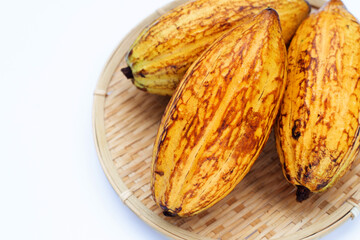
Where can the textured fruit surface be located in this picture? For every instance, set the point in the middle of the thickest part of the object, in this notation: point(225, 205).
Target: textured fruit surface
point(220, 117)
point(163, 52)
point(317, 131)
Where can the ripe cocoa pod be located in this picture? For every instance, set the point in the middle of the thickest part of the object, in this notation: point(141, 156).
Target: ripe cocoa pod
point(220, 117)
point(317, 132)
point(162, 53)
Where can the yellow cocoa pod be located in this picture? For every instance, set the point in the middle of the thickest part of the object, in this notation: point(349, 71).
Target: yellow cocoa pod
point(317, 132)
point(220, 117)
point(165, 49)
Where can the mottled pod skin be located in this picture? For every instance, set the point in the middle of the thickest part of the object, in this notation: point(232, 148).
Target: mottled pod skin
point(220, 117)
point(317, 132)
point(163, 52)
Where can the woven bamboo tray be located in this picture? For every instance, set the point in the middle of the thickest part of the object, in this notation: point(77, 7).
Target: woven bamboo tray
point(262, 206)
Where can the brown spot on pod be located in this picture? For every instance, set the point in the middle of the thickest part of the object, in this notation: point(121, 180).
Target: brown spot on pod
point(161, 173)
point(287, 176)
point(299, 172)
point(142, 88)
point(296, 129)
point(322, 185)
point(130, 53)
point(142, 73)
point(308, 174)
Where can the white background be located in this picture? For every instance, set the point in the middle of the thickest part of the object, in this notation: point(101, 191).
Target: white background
point(51, 183)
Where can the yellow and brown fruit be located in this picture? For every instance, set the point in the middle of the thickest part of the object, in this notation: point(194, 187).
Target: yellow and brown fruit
point(164, 50)
point(220, 117)
point(317, 132)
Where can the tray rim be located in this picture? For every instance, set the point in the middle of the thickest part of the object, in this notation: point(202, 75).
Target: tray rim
point(338, 217)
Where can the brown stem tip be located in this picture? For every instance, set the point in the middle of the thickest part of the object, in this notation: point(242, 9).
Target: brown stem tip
point(127, 72)
point(302, 193)
point(169, 214)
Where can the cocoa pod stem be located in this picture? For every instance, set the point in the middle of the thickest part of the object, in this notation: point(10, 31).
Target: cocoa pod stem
point(302, 193)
